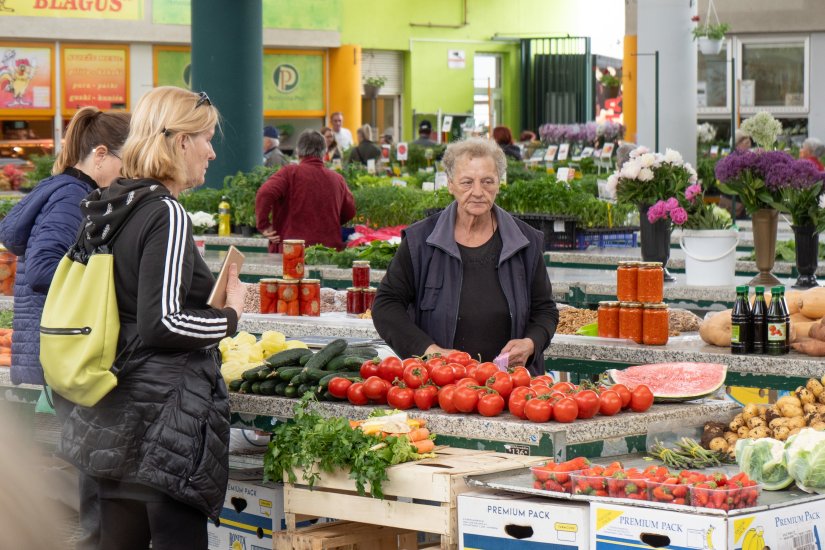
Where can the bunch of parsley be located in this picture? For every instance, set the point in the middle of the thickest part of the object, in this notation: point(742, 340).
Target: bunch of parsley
point(315, 444)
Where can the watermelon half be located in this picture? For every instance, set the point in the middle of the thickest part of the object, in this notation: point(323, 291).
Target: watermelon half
point(673, 382)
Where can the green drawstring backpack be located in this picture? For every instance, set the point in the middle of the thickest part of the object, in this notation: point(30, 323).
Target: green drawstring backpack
point(80, 324)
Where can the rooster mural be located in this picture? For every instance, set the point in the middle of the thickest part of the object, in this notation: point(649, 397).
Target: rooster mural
point(15, 77)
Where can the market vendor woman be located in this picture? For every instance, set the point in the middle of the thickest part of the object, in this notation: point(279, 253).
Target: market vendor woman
point(471, 278)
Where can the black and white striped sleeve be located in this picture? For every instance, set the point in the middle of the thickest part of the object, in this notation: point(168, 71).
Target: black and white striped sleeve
point(165, 317)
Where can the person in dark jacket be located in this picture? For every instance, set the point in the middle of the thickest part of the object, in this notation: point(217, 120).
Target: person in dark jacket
point(472, 277)
point(304, 201)
point(366, 149)
point(157, 444)
point(504, 137)
point(39, 230)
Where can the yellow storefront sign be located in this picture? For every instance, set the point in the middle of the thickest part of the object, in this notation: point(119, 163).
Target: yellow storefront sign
point(79, 9)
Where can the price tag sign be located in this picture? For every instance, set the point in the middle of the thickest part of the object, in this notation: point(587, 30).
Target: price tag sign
point(371, 166)
point(401, 151)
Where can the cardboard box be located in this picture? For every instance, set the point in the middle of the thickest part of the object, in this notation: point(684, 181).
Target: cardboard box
point(798, 527)
point(251, 511)
point(509, 521)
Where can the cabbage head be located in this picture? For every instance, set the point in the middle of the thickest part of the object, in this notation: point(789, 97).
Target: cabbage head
point(805, 456)
point(764, 461)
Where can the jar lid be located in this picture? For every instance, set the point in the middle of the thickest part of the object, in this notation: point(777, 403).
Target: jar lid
point(287, 281)
point(370, 290)
point(360, 263)
point(355, 289)
point(269, 280)
point(630, 304)
point(294, 241)
point(609, 303)
point(660, 305)
point(629, 264)
point(650, 264)
point(310, 281)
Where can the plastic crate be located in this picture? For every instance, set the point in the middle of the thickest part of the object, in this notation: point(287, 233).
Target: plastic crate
point(607, 237)
point(559, 231)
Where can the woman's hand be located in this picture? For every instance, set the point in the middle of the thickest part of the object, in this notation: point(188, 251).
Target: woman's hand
point(272, 235)
point(235, 290)
point(437, 349)
point(520, 351)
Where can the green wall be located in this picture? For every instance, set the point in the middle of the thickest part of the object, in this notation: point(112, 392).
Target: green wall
point(428, 82)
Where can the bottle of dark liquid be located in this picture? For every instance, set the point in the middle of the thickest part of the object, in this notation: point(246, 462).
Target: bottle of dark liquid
point(759, 322)
point(741, 339)
point(777, 329)
point(787, 316)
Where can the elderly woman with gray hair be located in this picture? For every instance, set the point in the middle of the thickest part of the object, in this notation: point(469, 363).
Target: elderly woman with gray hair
point(472, 277)
point(812, 150)
point(305, 200)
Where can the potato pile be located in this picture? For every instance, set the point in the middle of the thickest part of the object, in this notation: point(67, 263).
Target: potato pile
point(807, 310)
point(791, 413)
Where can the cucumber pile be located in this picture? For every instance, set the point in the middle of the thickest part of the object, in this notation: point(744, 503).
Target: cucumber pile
point(293, 372)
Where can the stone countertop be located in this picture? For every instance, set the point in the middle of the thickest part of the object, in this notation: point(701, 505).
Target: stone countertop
point(689, 348)
point(506, 427)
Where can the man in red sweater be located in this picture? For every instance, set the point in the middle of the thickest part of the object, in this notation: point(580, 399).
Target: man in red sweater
point(304, 201)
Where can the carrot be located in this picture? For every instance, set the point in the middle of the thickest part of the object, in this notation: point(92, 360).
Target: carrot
point(5, 359)
point(418, 435)
point(354, 423)
point(423, 446)
point(5, 340)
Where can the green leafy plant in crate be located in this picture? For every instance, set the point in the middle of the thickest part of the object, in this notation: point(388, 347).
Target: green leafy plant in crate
point(241, 188)
point(204, 199)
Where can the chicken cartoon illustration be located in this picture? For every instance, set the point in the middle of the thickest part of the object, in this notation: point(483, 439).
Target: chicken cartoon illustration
point(15, 76)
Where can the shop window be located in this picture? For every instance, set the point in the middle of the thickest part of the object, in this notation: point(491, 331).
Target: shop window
point(778, 72)
point(486, 77)
point(713, 78)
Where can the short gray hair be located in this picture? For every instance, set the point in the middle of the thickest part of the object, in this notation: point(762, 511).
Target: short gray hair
point(474, 148)
point(311, 143)
point(814, 145)
point(623, 153)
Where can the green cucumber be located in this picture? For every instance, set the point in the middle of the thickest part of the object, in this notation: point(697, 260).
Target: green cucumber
point(256, 387)
point(304, 358)
point(345, 363)
point(325, 355)
point(303, 388)
point(268, 387)
point(291, 391)
point(324, 382)
point(252, 374)
point(235, 385)
point(367, 352)
point(246, 387)
point(287, 357)
point(313, 375)
point(288, 373)
point(280, 389)
point(263, 374)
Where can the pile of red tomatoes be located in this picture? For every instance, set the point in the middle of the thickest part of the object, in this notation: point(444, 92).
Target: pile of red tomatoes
point(458, 384)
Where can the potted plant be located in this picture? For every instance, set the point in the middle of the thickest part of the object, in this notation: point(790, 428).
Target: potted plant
point(710, 37)
point(372, 85)
point(611, 84)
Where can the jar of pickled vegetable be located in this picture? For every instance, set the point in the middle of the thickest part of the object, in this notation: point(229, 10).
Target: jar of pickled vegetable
point(360, 274)
point(269, 295)
point(626, 280)
point(309, 297)
point(655, 324)
point(630, 321)
point(293, 258)
point(608, 319)
point(288, 297)
point(650, 283)
point(369, 298)
point(355, 301)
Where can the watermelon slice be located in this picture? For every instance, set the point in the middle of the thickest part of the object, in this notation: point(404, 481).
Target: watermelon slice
point(673, 382)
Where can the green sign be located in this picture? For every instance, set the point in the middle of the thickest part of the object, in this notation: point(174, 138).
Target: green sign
point(293, 82)
point(316, 15)
point(173, 67)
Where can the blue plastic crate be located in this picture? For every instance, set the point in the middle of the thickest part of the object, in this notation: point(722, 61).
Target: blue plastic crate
point(615, 237)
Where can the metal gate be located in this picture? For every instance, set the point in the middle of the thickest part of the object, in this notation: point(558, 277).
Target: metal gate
point(557, 81)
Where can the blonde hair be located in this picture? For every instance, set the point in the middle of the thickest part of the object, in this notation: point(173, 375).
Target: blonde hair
point(161, 115)
point(474, 148)
point(365, 132)
point(89, 128)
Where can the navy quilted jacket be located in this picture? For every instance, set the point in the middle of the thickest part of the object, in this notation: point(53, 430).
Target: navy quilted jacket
point(39, 230)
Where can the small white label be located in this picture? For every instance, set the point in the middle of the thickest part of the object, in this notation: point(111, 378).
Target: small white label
point(558, 226)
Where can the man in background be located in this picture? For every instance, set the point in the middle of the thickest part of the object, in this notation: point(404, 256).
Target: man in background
point(272, 155)
point(343, 137)
point(425, 130)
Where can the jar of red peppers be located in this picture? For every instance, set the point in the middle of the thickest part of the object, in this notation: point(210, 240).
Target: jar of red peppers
point(630, 321)
point(288, 297)
point(269, 295)
point(626, 279)
point(651, 281)
point(293, 254)
point(360, 274)
point(655, 324)
point(309, 297)
point(608, 319)
point(369, 298)
point(355, 301)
